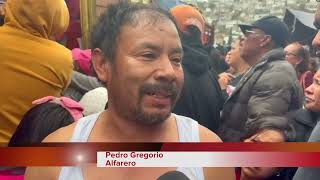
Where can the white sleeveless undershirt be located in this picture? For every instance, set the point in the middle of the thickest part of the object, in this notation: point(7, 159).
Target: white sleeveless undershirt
point(188, 130)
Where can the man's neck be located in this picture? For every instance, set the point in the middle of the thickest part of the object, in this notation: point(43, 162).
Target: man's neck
point(253, 60)
point(131, 131)
point(241, 68)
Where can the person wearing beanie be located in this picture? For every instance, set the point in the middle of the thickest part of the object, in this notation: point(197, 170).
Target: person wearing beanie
point(201, 97)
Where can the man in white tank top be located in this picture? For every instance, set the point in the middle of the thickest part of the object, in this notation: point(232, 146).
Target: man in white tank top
point(136, 54)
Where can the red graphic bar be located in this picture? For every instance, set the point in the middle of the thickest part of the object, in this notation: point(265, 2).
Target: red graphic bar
point(234, 154)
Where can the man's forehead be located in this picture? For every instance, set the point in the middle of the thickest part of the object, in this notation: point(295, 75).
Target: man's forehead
point(148, 36)
point(291, 47)
point(147, 17)
point(144, 27)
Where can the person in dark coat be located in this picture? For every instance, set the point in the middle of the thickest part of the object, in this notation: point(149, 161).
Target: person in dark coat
point(217, 61)
point(270, 86)
point(310, 129)
point(201, 96)
point(307, 126)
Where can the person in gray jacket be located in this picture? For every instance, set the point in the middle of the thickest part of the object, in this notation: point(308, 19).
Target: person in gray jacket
point(81, 84)
point(270, 86)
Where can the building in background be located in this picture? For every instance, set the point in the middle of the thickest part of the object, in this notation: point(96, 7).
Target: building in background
point(226, 14)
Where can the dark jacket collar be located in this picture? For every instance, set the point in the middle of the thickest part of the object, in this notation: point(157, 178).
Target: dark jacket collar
point(272, 55)
point(307, 117)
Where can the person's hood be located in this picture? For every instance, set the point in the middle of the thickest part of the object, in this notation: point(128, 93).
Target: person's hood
point(196, 58)
point(42, 18)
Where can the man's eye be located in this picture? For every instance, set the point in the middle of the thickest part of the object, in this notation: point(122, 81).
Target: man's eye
point(149, 55)
point(176, 60)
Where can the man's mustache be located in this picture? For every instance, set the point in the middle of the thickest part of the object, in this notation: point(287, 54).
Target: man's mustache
point(167, 88)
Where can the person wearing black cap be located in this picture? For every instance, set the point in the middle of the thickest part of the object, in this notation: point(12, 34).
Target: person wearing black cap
point(269, 87)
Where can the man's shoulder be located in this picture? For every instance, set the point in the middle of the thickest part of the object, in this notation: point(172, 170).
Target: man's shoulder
point(281, 64)
point(280, 67)
point(63, 134)
point(208, 136)
point(205, 134)
point(277, 71)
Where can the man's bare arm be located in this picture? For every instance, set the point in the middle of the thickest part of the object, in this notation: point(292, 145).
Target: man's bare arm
point(34, 173)
point(215, 173)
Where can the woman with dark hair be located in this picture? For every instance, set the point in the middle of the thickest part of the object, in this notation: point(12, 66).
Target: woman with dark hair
point(49, 114)
point(299, 56)
point(266, 132)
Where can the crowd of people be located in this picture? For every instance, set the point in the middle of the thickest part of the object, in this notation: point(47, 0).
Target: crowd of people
point(151, 77)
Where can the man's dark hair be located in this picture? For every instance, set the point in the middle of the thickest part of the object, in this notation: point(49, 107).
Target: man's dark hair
point(39, 122)
point(106, 33)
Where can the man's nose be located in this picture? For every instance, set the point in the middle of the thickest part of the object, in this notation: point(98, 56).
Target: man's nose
point(166, 70)
point(309, 90)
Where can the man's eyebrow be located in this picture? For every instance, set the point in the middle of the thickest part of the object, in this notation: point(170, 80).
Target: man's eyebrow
point(177, 50)
point(316, 80)
point(149, 46)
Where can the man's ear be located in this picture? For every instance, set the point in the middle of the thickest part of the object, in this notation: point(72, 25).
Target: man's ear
point(266, 41)
point(101, 65)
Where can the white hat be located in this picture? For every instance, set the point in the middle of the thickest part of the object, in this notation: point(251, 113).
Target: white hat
point(94, 101)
